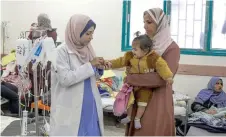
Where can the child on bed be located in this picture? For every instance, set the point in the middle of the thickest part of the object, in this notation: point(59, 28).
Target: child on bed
point(142, 59)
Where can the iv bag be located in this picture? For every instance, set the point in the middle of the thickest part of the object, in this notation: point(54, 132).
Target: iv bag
point(48, 47)
point(48, 50)
point(23, 47)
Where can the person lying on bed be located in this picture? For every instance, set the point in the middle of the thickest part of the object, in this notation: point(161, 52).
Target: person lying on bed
point(212, 96)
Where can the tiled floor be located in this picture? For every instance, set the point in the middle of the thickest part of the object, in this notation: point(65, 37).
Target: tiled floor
point(113, 131)
point(5, 121)
point(110, 129)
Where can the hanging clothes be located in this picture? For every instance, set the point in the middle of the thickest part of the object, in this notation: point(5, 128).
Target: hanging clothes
point(224, 28)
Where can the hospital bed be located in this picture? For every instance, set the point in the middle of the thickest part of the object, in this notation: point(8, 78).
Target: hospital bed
point(181, 106)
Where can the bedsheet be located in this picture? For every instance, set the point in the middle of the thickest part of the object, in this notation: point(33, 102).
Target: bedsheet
point(179, 106)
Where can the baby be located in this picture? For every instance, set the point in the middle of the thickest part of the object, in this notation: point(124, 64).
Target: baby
point(142, 59)
point(220, 112)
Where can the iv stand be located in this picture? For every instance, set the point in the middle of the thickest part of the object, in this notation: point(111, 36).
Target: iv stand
point(4, 37)
point(36, 100)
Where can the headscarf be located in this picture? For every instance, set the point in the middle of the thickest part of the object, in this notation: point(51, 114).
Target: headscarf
point(75, 27)
point(44, 23)
point(162, 38)
point(217, 98)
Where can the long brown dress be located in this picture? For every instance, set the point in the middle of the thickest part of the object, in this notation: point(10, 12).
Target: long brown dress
point(158, 119)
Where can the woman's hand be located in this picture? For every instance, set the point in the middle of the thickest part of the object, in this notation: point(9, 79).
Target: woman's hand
point(211, 111)
point(127, 70)
point(107, 65)
point(100, 67)
point(97, 61)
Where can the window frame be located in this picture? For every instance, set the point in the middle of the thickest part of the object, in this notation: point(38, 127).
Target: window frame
point(207, 51)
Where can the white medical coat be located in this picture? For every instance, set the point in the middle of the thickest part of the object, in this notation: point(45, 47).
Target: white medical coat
point(67, 91)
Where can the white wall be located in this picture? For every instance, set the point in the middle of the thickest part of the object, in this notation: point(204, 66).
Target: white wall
point(107, 39)
point(190, 84)
point(106, 14)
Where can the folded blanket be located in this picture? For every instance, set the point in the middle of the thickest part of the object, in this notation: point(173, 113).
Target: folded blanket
point(8, 58)
point(106, 86)
point(207, 119)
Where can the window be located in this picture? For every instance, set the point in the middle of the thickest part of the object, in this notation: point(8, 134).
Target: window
point(187, 23)
point(219, 25)
point(198, 26)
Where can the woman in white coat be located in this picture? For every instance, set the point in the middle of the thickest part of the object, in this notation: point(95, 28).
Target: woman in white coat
point(76, 108)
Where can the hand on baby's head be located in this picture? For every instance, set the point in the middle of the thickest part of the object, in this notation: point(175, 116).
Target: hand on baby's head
point(211, 111)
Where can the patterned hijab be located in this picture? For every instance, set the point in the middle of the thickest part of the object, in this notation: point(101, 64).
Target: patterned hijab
point(162, 38)
point(76, 27)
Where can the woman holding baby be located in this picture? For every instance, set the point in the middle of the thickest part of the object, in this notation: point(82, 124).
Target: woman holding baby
point(152, 112)
point(76, 104)
point(158, 118)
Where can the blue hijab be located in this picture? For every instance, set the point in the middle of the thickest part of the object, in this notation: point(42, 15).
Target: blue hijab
point(88, 26)
point(217, 98)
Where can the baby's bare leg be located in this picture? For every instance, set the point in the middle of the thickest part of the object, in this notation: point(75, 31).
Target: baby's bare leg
point(139, 114)
point(140, 111)
point(128, 118)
